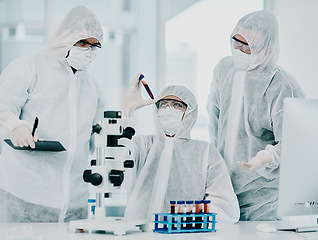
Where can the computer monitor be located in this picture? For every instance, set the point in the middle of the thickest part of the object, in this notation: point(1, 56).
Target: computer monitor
point(298, 180)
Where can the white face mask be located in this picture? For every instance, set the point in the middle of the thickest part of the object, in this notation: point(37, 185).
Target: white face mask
point(243, 61)
point(170, 119)
point(80, 58)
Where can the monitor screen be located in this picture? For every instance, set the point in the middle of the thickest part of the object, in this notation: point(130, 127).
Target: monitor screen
point(298, 180)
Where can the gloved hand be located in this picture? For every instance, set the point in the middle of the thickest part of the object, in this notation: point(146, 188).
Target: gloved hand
point(261, 158)
point(133, 99)
point(22, 136)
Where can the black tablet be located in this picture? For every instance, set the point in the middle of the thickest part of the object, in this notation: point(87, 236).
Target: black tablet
point(41, 145)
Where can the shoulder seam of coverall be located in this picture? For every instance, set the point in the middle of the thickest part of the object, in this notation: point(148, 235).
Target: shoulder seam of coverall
point(286, 79)
point(31, 64)
point(212, 164)
point(33, 73)
point(277, 113)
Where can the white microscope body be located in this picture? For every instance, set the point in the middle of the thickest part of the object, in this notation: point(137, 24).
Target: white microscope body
point(112, 149)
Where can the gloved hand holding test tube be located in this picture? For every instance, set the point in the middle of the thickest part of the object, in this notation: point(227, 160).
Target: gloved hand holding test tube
point(133, 99)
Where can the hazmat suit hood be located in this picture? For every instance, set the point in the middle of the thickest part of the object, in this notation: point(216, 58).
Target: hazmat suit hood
point(191, 113)
point(260, 30)
point(79, 23)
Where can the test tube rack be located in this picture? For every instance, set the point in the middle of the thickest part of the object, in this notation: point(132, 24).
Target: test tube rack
point(179, 223)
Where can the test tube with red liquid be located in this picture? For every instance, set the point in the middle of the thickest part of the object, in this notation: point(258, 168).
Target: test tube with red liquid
point(141, 77)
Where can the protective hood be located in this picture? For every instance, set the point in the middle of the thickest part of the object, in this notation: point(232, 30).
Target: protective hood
point(191, 113)
point(79, 23)
point(260, 29)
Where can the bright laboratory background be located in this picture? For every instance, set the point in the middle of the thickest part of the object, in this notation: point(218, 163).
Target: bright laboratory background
point(169, 41)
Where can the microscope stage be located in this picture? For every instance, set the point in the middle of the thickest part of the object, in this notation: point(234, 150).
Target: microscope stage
point(116, 225)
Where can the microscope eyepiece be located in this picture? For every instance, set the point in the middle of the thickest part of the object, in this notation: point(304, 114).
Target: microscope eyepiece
point(112, 114)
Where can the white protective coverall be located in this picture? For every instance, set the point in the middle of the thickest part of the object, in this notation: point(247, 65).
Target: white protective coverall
point(67, 105)
point(179, 168)
point(245, 110)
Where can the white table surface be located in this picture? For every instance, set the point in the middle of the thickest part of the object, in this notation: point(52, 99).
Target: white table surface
point(56, 231)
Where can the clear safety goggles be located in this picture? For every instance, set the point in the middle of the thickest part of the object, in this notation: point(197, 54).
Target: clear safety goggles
point(93, 46)
point(172, 103)
point(238, 44)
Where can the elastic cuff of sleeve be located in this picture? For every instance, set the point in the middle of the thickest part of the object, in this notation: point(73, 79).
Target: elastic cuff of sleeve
point(267, 167)
point(129, 121)
point(127, 112)
point(267, 153)
point(273, 163)
point(18, 123)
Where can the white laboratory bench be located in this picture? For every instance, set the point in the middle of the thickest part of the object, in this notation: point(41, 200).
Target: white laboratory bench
point(60, 231)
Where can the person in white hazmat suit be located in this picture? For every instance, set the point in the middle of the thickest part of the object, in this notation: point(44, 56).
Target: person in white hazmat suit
point(53, 85)
point(245, 107)
point(170, 165)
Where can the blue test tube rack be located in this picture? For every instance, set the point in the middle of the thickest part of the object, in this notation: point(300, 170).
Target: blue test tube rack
point(179, 223)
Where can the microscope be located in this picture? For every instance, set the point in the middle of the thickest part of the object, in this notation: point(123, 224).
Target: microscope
point(112, 150)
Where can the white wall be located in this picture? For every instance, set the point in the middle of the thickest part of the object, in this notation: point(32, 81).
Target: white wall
point(298, 25)
point(202, 32)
